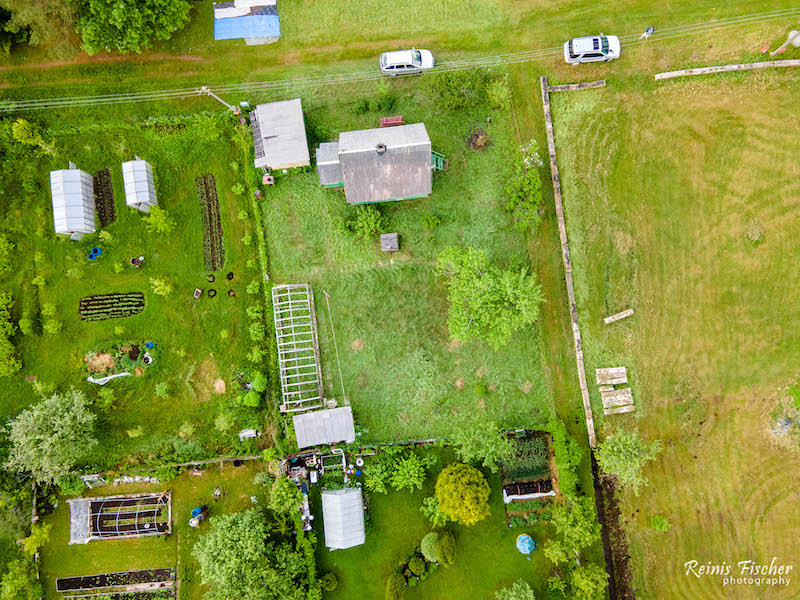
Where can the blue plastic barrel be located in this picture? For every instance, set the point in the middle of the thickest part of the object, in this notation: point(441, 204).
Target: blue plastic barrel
point(358, 473)
point(148, 345)
point(91, 256)
point(96, 250)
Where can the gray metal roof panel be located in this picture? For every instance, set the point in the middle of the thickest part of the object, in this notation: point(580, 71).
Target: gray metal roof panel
point(327, 426)
point(279, 134)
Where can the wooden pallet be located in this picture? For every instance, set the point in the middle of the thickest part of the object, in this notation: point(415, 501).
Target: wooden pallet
point(611, 376)
point(618, 410)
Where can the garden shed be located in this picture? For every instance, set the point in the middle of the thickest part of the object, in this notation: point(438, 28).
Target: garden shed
point(255, 21)
point(140, 191)
point(343, 518)
point(376, 165)
point(73, 202)
point(324, 427)
point(279, 136)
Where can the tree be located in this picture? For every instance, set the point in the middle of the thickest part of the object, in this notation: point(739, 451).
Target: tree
point(158, 221)
point(486, 302)
point(395, 587)
point(428, 547)
point(238, 559)
point(576, 525)
point(409, 472)
point(556, 588)
point(463, 494)
point(430, 508)
point(160, 287)
point(519, 591)
point(589, 582)
point(6, 252)
point(45, 20)
point(416, 565)
point(284, 497)
point(446, 548)
point(624, 454)
point(329, 582)
point(29, 134)
point(555, 551)
point(9, 363)
point(130, 25)
point(481, 441)
point(49, 438)
point(40, 534)
point(19, 582)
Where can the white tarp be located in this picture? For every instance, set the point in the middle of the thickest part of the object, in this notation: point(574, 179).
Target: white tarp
point(73, 201)
point(140, 191)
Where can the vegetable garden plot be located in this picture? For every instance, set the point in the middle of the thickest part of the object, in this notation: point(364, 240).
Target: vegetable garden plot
point(107, 580)
point(111, 306)
point(104, 198)
point(213, 248)
point(119, 517)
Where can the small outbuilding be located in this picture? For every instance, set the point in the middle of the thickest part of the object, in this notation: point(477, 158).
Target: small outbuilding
point(324, 427)
point(254, 21)
point(279, 136)
point(73, 202)
point(377, 165)
point(140, 191)
point(343, 518)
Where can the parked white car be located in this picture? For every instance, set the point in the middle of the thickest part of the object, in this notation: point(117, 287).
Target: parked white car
point(593, 48)
point(403, 62)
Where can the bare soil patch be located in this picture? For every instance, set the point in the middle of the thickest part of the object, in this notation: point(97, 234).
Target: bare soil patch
point(479, 140)
point(219, 386)
point(460, 383)
point(100, 363)
point(481, 371)
point(527, 387)
point(357, 344)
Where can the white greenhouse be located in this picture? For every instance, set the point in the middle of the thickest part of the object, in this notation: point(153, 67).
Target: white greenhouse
point(73, 202)
point(140, 192)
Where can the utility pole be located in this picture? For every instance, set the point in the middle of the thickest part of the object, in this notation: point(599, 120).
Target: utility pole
point(207, 91)
point(794, 40)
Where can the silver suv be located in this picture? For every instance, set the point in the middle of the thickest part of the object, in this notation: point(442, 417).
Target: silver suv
point(594, 48)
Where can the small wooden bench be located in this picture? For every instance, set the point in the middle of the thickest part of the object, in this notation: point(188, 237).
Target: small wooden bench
point(392, 121)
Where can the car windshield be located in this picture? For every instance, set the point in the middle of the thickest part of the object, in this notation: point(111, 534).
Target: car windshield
point(383, 60)
point(416, 58)
point(571, 50)
point(604, 41)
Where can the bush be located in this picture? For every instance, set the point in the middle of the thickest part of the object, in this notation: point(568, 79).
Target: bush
point(26, 325)
point(499, 93)
point(430, 221)
point(446, 548)
point(457, 90)
point(158, 221)
point(329, 582)
point(238, 189)
point(162, 390)
point(165, 474)
point(255, 313)
point(409, 472)
point(252, 399)
point(369, 221)
point(428, 547)
point(257, 332)
point(259, 382)
point(71, 485)
point(524, 188)
point(430, 508)
point(254, 287)
point(568, 455)
point(659, 523)
point(52, 326)
point(416, 565)
point(395, 587)
point(105, 399)
point(160, 286)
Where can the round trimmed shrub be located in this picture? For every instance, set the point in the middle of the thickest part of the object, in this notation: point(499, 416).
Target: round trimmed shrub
point(416, 565)
point(446, 548)
point(395, 587)
point(428, 547)
point(329, 582)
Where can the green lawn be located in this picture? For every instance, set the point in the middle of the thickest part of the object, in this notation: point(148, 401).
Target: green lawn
point(486, 555)
point(195, 342)
point(681, 202)
point(58, 559)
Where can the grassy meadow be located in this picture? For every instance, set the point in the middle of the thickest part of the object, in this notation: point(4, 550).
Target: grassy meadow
point(681, 202)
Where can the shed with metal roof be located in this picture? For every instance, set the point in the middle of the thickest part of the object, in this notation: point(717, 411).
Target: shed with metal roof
point(140, 191)
point(255, 21)
point(388, 163)
point(323, 427)
point(343, 518)
point(279, 136)
point(73, 202)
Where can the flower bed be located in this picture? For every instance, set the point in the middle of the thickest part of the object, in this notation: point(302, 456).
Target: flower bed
point(110, 306)
point(104, 198)
point(213, 249)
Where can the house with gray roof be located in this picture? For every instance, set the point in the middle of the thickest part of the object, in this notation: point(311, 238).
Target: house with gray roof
point(343, 518)
point(279, 136)
point(378, 165)
point(324, 427)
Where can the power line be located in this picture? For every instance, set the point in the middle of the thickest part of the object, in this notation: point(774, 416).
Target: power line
point(365, 76)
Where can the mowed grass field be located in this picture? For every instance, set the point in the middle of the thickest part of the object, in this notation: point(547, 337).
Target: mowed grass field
point(403, 374)
point(681, 202)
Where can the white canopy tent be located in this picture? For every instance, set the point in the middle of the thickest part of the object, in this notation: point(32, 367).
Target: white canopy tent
point(73, 202)
point(140, 191)
point(343, 518)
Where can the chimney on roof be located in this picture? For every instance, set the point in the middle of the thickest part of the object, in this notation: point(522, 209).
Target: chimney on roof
point(380, 148)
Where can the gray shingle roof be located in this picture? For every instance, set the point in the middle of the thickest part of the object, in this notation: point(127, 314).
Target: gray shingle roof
point(343, 518)
point(328, 167)
point(279, 135)
point(327, 426)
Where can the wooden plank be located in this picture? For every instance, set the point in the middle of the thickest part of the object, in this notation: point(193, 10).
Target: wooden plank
point(611, 376)
point(617, 398)
point(606, 388)
point(623, 393)
point(618, 316)
point(617, 402)
point(573, 87)
point(728, 68)
point(619, 410)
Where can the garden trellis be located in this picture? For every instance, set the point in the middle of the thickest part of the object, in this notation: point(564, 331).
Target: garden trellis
point(119, 517)
point(298, 347)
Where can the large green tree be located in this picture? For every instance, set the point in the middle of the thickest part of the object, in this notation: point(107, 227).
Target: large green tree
point(624, 454)
point(240, 560)
point(521, 590)
point(486, 302)
point(481, 441)
point(463, 494)
point(49, 438)
point(130, 25)
point(589, 582)
point(284, 497)
point(576, 527)
point(46, 20)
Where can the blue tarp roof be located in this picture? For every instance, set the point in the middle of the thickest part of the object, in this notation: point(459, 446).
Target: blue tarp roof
point(248, 26)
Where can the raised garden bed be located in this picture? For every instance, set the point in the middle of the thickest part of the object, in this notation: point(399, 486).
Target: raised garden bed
point(521, 488)
point(106, 580)
point(213, 248)
point(110, 306)
point(109, 361)
point(529, 460)
point(104, 198)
